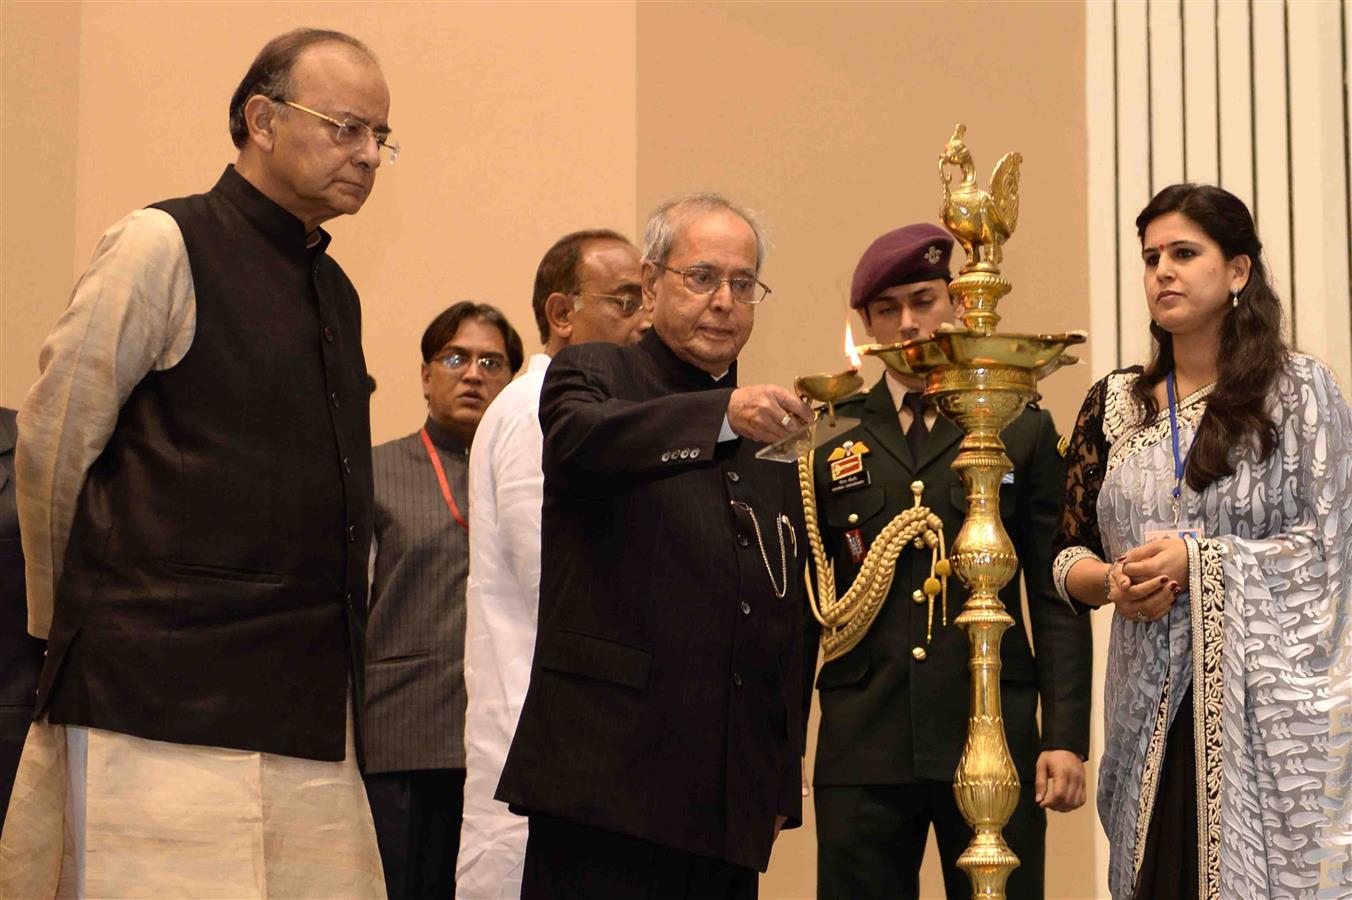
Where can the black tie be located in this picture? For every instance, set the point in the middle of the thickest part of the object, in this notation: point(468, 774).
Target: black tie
point(918, 431)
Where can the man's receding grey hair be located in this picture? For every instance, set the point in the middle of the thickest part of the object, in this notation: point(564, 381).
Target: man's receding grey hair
point(667, 220)
point(270, 73)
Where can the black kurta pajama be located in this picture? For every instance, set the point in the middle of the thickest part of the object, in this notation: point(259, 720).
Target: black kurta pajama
point(662, 730)
point(205, 636)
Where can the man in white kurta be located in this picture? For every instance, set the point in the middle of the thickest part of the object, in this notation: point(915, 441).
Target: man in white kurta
point(586, 289)
point(154, 772)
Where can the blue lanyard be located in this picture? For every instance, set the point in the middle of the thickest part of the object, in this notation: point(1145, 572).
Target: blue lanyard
point(1180, 460)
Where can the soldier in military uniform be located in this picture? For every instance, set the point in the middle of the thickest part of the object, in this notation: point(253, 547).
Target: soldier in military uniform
point(894, 708)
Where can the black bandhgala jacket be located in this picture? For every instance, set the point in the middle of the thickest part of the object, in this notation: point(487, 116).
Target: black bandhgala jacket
point(665, 695)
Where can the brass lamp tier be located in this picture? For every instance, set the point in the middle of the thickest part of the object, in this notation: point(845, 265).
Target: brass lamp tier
point(829, 388)
point(1041, 353)
point(982, 380)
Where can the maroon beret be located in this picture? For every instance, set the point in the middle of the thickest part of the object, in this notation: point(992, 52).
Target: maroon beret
point(905, 256)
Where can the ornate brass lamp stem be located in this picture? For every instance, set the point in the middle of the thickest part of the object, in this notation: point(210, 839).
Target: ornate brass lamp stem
point(986, 784)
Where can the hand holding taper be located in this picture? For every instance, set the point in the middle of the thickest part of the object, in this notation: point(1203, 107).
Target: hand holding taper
point(766, 412)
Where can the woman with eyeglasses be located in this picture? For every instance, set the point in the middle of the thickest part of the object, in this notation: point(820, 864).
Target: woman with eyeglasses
point(1209, 503)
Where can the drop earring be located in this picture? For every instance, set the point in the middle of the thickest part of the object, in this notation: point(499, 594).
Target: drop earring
point(1234, 299)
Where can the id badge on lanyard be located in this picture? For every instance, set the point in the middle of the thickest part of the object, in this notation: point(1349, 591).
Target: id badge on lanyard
point(1179, 529)
point(1157, 531)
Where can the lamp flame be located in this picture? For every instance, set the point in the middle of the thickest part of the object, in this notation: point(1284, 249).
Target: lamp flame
point(850, 349)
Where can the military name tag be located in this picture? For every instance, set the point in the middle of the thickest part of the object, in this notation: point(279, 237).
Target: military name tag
point(850, 482)
point(848, 473)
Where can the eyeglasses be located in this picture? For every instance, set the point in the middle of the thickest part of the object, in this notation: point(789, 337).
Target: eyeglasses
point(627, 305)
point(744, 288)
point(494, 366)
point(352, 133)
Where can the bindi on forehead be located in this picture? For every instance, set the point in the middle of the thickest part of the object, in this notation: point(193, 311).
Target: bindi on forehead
point(1164, 246)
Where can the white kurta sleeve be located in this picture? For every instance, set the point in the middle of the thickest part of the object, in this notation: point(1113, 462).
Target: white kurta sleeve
point(520, 497)
point(133, 311)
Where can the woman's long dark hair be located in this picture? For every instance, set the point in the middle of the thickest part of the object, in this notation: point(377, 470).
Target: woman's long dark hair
point(1252, 351)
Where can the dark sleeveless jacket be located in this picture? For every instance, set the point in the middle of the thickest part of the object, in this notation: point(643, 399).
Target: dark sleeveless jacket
point(214, 582)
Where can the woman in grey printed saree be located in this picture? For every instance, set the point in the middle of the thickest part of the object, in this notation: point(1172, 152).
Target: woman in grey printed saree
point(1209, 501)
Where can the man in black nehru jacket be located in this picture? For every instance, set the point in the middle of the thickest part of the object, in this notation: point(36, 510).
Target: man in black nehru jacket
point(194, 469)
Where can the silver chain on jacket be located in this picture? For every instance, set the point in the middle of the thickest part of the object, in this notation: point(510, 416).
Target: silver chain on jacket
point(780, 521)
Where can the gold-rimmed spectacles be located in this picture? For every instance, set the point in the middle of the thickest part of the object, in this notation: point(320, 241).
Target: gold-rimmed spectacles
point(700, 280)
point(353, 133)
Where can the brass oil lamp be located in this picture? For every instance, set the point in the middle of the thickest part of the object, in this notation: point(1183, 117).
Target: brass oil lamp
point(982, 380)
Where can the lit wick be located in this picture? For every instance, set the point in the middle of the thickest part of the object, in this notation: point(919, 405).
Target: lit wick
point(831, 388)
point(850, 349)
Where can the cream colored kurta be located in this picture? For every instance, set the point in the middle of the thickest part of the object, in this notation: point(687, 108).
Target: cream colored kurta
point(95, 813)
point(101, 814)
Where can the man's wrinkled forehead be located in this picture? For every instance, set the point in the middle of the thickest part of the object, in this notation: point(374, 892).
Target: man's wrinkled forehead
point(345, 79)
point(711, 237)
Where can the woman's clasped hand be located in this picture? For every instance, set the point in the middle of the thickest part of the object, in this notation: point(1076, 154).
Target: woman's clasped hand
point(1144, 583)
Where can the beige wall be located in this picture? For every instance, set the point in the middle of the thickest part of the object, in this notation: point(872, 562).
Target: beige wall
point(829, 118)
point(38, 115)
point(521, 121)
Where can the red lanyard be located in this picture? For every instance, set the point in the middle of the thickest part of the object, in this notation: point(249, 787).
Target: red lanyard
point(441, 478)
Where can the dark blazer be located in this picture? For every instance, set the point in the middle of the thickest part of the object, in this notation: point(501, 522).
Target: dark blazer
point(20, 655)
point(664, 700)
point(889, 718)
